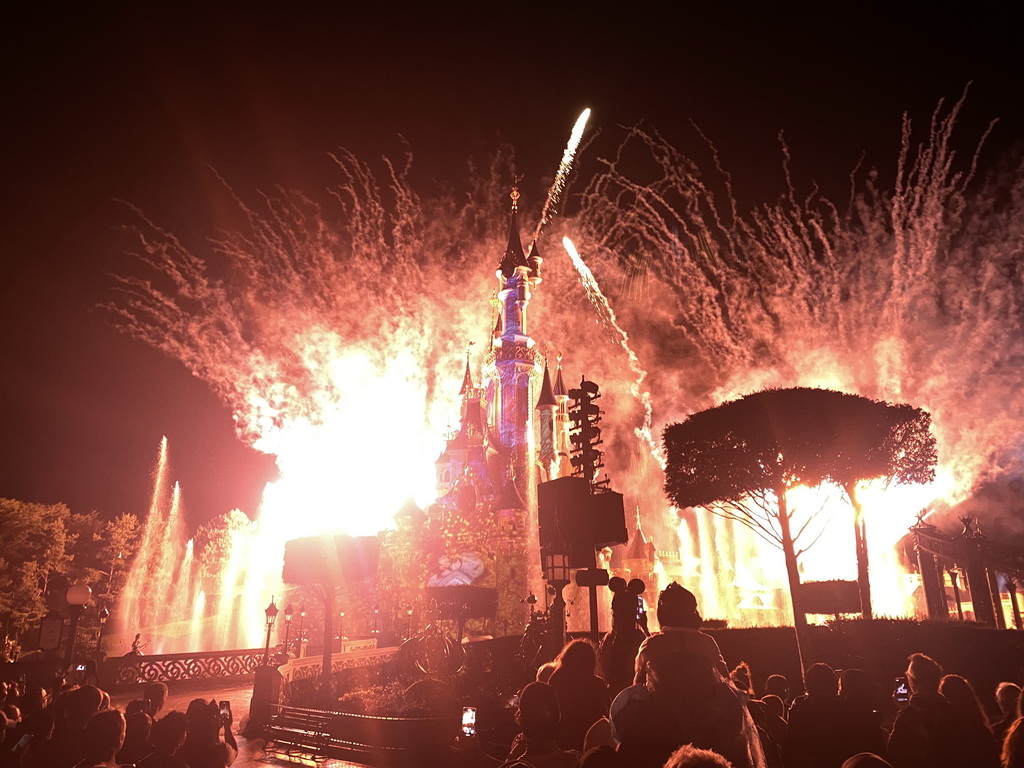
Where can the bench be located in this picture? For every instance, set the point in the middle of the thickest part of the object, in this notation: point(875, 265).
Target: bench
point(312, 735)
point(298, 734)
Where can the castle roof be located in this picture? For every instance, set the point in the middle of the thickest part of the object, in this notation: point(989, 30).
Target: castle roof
point(514, 256)
point(467, 379)
point(534, 259)
point(560, 390)
point(639, 548)
point(546, 396)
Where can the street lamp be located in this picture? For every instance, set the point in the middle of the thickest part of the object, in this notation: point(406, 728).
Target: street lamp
point(408, 615)
point(287, 626)
point(556, 573)
point(77, 596)
point(271, 615)
point(103, 614)
point(302, 618)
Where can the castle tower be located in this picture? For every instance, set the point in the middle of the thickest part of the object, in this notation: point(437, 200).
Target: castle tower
point(486, 511)
point(518, 365)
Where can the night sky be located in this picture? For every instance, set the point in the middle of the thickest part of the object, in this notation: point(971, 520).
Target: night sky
point(112, 103)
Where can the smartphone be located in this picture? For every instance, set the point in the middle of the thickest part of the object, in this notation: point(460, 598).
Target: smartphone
point(80, 667)
point(225, 710)
point(641, 609)
point(469, 721)
point(901, 690)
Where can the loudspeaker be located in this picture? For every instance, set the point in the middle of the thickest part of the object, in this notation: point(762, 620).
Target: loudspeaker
point(576, 523)
point(608, 519)
point(331, 560)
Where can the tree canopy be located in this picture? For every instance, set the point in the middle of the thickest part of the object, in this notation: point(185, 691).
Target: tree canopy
point(780, 438)
point(44, 547)
point(740, 458)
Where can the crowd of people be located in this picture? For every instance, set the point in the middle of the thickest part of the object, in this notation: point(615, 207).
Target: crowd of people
point(682, 707)
point(78, 728)
point(640, 700)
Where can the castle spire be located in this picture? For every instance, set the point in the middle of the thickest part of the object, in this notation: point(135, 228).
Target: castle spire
point(546, 396)
point(467, 378)
point(514, 255)
point(560, 389)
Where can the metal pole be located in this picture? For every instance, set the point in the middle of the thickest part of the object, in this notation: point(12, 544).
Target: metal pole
point(76, 612)
point(266, 651)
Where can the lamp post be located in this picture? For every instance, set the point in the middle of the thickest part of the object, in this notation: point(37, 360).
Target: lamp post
point(408, 615)
point(77, 596)
point(341, 632)
point(302, 618)
point(271, 616)
point(287, 627)
point(556, 573)
point(103, 614)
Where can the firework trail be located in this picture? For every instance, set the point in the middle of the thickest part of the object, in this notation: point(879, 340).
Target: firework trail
point(336, 332)
point(608, 319)
point(909, 295)
point(558, 185)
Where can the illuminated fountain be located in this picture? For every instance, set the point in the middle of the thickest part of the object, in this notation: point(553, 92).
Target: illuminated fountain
point(338, 344)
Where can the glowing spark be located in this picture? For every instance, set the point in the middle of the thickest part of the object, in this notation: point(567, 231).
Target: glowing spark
point(563, 172)
point(607, 315)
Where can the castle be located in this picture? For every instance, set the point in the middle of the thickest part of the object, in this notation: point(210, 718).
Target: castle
point(513, 432)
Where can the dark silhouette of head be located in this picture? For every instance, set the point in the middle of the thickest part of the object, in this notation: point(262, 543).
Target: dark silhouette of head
point(960, 693)
point(203, 720)
point(1013, 746)
point(774, 705)
point(677, 607)
point(923, 673)
point(866, 760)
point(578, 657)
point(539, 713)
point(1007, 696)
point(625, 601)
point(821, 681)
point(777, 685)
point(33, 700)
point(137, 727)
point(104, 735)
point(857, 688)
point(82, 703)
point(169, 732)
point(688, 756)
point(157, 694)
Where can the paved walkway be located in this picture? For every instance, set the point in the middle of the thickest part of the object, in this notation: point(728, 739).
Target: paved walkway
point(250, 751)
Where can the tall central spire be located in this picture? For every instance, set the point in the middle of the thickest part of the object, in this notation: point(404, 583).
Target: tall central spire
point(514, 256)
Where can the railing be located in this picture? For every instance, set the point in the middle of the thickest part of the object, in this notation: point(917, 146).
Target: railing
point(122, 671)
point(362, 663)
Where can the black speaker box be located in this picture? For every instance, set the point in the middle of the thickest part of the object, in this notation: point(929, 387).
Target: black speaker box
point(576, 523)
point(332, 560)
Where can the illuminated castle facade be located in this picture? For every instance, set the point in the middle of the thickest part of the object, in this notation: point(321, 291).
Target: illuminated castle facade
point(513, 433)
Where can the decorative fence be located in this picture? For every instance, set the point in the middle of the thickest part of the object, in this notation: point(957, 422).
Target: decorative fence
point(237, 666)
point(361, 664)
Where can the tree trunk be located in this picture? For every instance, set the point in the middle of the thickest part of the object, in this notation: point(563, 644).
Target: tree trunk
point(861, 543)
point(793, 572)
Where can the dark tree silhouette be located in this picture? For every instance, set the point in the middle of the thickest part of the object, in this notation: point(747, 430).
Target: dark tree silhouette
point(741, 458)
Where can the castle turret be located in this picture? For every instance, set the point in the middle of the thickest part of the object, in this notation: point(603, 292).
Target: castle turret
point(562, 425)
point(546, 407)
point(517, 363)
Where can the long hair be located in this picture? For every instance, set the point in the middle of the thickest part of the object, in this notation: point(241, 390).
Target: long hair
point(958, 691)
point(578, 657)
